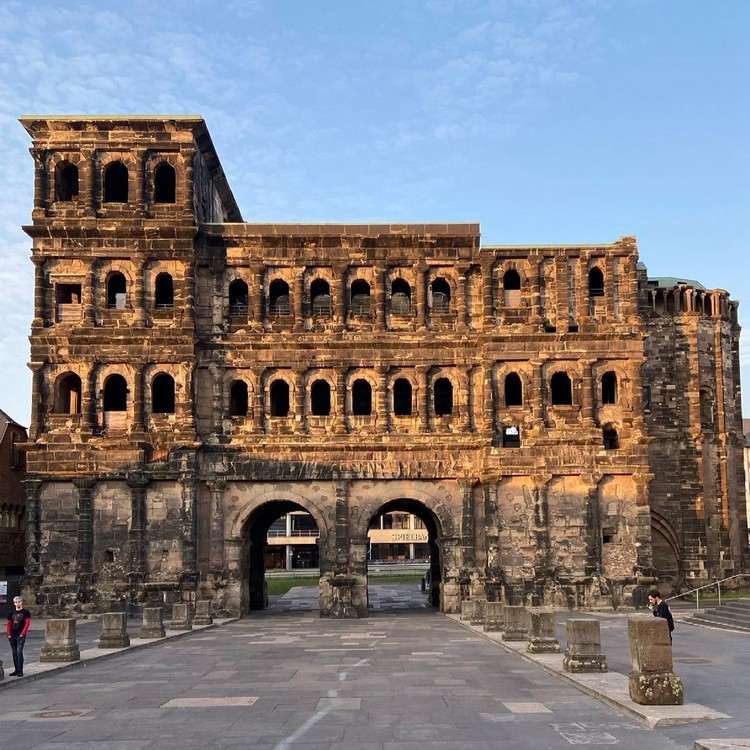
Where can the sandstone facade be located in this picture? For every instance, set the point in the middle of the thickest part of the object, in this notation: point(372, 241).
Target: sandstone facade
point(568, 430)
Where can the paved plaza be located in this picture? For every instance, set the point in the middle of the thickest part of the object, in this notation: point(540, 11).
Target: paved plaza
point(406, 678)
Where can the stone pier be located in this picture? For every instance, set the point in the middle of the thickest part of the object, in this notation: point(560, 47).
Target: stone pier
point(467, 610)
point(153, 623)
point(203, 613)
point(516, 623)
point(181, 617)
point(583, 647)
point(60, 643)
point(477, 615)
point(652, 681)
point(114, 630)
point(494, 617)
point(542, 638)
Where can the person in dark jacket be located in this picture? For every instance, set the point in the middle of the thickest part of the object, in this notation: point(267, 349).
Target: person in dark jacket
point(659, 608)
point(17, 627)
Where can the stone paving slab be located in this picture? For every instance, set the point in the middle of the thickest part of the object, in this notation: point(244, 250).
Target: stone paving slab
point(722, 744)
point(34, 670)
point(610, 687)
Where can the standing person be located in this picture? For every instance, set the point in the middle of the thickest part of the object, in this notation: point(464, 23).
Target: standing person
point(659, 608)
point(19, 622)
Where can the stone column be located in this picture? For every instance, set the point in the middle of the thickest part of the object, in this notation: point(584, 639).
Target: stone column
point(85, 510)
point(138, 484)
point(379, 296)
point(188, 528)
point(462, 301)
point(298, 293)
point(89, 295)
point(467, 523)
point(537, 395)
point(138, 401)
point(652, 681)
point(535, 262)
point(89, 401)
point(421, 295)
point(39, 292)
point(383, 401)
point(542, 639)
point(40, 177)
point(340, 402)
point(467, 421)
point(593, 524)
point(541, 521)
point(33, 489)
point(139, 301)
point(340, 297)
point(424, 404)
point(216, 553)
point(516, 623)
point(217, 401)
point(114, 630)
point(583, 649)
point(36, 426)
point(60, 643)
point(587, 394)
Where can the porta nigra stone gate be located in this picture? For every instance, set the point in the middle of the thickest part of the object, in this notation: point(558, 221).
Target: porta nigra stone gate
point(567, 428)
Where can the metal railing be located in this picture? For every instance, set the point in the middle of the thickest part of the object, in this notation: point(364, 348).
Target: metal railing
point(715, 584)
point(293, 532)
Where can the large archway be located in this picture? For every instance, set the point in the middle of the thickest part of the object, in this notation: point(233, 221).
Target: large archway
point(411, 535)
point(665, 549)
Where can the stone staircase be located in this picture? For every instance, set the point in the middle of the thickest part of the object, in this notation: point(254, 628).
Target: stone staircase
point(733, 615)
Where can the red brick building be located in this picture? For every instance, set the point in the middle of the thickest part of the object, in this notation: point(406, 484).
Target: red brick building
point(12, 496)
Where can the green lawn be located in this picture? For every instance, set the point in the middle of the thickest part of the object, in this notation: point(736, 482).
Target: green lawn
point(278, 586)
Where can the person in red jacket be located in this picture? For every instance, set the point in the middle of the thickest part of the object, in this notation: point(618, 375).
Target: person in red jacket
point(19, 622)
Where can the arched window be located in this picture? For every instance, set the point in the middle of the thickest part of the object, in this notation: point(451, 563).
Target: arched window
point(320, 398)
point(402, 397)
point(707, 305)
point(513, 390)
point(238, 399)
point(609, 388)
point(163, 290)
point(68, 394)
point(116, 287)
point(66, 181)
point(562, 390)
point(610, 438)
point(279, 393)
point(361, 398)
point(115, 393)
point(320, 297)
point(162, 394)
point(278, 293)
point(400, 297)
point(512, 288)
point(238, 297)
point(596, 282)
point(441, 296)
point(360, 297)
point(442, 397)
point(116, 183)
point(164, 183)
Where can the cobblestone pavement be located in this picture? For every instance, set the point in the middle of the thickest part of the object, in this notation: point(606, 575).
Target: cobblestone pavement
point(403, 679)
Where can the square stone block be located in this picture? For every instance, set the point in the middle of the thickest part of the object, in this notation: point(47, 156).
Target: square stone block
point(477, 614)
point(467, 609)
point(114, 630)
point(181, 617)
point(60, 644)
point(494, 617)
point(650, 646)
point(516, 623)
point(583, 637)
point(203, 613)
point(153, 623)
point(542, 638)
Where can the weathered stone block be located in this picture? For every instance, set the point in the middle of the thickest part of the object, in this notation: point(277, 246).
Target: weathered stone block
point(153, 623)
point(203, 613)
point(583, 647)
point(477, 614)
point(652, 681)
point(181, 617)
point(114, 630)
point(494, 617)
point(467, 610)
point(2, 673)
point(542, 639)
point(516, 623)
point(60, 644)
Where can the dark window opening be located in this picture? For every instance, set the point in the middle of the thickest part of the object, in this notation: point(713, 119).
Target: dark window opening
point(109, 555)
point(511, 437)
point(609, 536)
point(610, 438)
point(320, 398)
point(164, 183)
point(360, 297)
point(320, 296)
point(279, 398)
point(549, 328)
point(646, 397)
point(279, 304)
point(402, 397)
point(116, 295)
point(68, 294)
point(115, 393)
point(573, 328)
point(162, 394)
point(511, 280)
point(609, 388)
point(238, 297)
point(513, 390)
point(400, 297)
point(164, 290)
point(562, 389)
point(238, 400)
point(707, 305)
point(68, 395)
point(596, 282)
point(116, 183)
point(361, 398)
point(441, 296)
point(66, 181)
point(442, 393)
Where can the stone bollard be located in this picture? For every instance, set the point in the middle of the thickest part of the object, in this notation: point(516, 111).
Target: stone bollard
point(2, 673)
point(542, 638)
point(583, 647)
point(114, 630)
point(203, 613)
point(477, 615)
point(494, 617)
point(652, 681)
point(181, 619)
point(467, 609)
point(60, 641)
point(516, 623)
point(153, 623)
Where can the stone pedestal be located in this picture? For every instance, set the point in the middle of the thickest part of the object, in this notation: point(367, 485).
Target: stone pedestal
point(652, 681)
point(542, 639)
point(343, 597)
point(203, 613)
point(516, 626)
point(60, 644)
point(114, 630)
point(2, 673)
point(181, 617)
point(583, 648)
point(467, 610)
point(477, 615)
point(153, 623)
point(494, 617)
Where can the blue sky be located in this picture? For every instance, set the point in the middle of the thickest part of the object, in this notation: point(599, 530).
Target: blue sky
point(545, 120)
